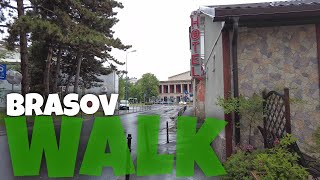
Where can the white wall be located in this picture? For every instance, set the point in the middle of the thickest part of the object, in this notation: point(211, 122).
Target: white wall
point(213, 68)
point(110, 81)
point(214, 79)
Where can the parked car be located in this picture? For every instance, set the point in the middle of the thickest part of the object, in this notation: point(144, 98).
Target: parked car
point(163, 102)
point(182, 103)
point(124, 104)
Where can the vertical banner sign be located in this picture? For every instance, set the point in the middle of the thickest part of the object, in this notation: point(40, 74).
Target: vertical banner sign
point(196, 62)
point(3, 71)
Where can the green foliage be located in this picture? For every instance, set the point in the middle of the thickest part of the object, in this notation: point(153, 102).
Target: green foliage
point(135, 91)
point(270, 164)
point(242, 104)
point(250, 109)
point(143, 90)
point(239, 165)
point(149, 85)
point(38, 53)
point(79, 28)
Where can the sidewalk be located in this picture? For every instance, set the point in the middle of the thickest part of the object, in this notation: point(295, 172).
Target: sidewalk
point(189, 111)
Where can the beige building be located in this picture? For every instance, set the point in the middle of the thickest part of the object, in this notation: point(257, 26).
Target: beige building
point(177, 88)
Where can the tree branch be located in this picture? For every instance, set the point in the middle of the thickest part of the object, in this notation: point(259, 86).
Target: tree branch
point(29, 7)
point(7, 5)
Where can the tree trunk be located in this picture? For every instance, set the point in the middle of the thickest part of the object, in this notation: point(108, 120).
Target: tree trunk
point(46, 75)
point(57, 73)
point(67, 85)
point(77, 75)
point(23, 53)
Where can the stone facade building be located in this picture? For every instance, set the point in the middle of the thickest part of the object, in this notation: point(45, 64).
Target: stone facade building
point(177, 88)
point(253, 47)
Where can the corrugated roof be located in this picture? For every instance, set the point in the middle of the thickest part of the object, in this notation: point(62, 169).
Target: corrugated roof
point(268, 4)
point(267, 10)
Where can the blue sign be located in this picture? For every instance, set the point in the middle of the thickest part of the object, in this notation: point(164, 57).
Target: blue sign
point(186, 91)
point(3, 71)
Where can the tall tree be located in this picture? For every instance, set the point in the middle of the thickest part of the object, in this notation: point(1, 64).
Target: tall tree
point(96, 18)
point(82, 27)
point(149, 85)
point(23, 52)
point(135, 91)
point(23, 44)
point(57, 70)
point(38, 52)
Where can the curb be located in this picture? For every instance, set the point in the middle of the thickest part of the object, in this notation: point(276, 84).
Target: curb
point(181, 111)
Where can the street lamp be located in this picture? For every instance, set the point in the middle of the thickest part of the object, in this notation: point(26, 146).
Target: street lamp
point(127, 72)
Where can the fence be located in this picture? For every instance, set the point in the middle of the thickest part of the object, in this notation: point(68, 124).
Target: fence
point(134, 109)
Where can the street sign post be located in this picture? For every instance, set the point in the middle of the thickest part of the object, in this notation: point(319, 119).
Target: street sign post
point(3, 71)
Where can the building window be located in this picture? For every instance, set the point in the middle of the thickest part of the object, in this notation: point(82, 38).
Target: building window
point(214, 63)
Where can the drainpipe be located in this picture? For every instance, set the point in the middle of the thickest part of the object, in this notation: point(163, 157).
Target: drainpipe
point(234, 46)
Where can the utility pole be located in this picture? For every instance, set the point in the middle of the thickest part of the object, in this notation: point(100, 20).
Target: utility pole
point(126, 89)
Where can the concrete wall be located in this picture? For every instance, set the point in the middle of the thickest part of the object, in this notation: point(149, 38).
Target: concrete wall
point(214, 86)
point(110, 81)
point(277, 57)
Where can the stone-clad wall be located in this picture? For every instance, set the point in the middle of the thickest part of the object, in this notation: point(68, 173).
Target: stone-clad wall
point(277, 57)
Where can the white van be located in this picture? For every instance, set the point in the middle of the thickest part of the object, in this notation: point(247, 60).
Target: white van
point(124, 104)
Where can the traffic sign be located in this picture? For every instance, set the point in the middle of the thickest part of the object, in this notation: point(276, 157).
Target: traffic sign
point(3, 71)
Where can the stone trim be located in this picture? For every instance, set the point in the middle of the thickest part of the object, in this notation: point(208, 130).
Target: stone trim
point(318, 49)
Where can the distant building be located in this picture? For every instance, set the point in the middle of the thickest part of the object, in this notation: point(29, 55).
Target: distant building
point(133, 80)
point(109, 85)
point(177, 88)
point(12, 58)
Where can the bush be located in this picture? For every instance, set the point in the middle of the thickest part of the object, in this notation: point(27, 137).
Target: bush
point(275, 163)
point(239, 165)
point(250, 109)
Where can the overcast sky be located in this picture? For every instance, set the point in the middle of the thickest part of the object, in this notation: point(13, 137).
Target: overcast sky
point(158, 30)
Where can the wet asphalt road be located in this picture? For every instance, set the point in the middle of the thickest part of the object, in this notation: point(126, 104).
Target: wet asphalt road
point(129, 122)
